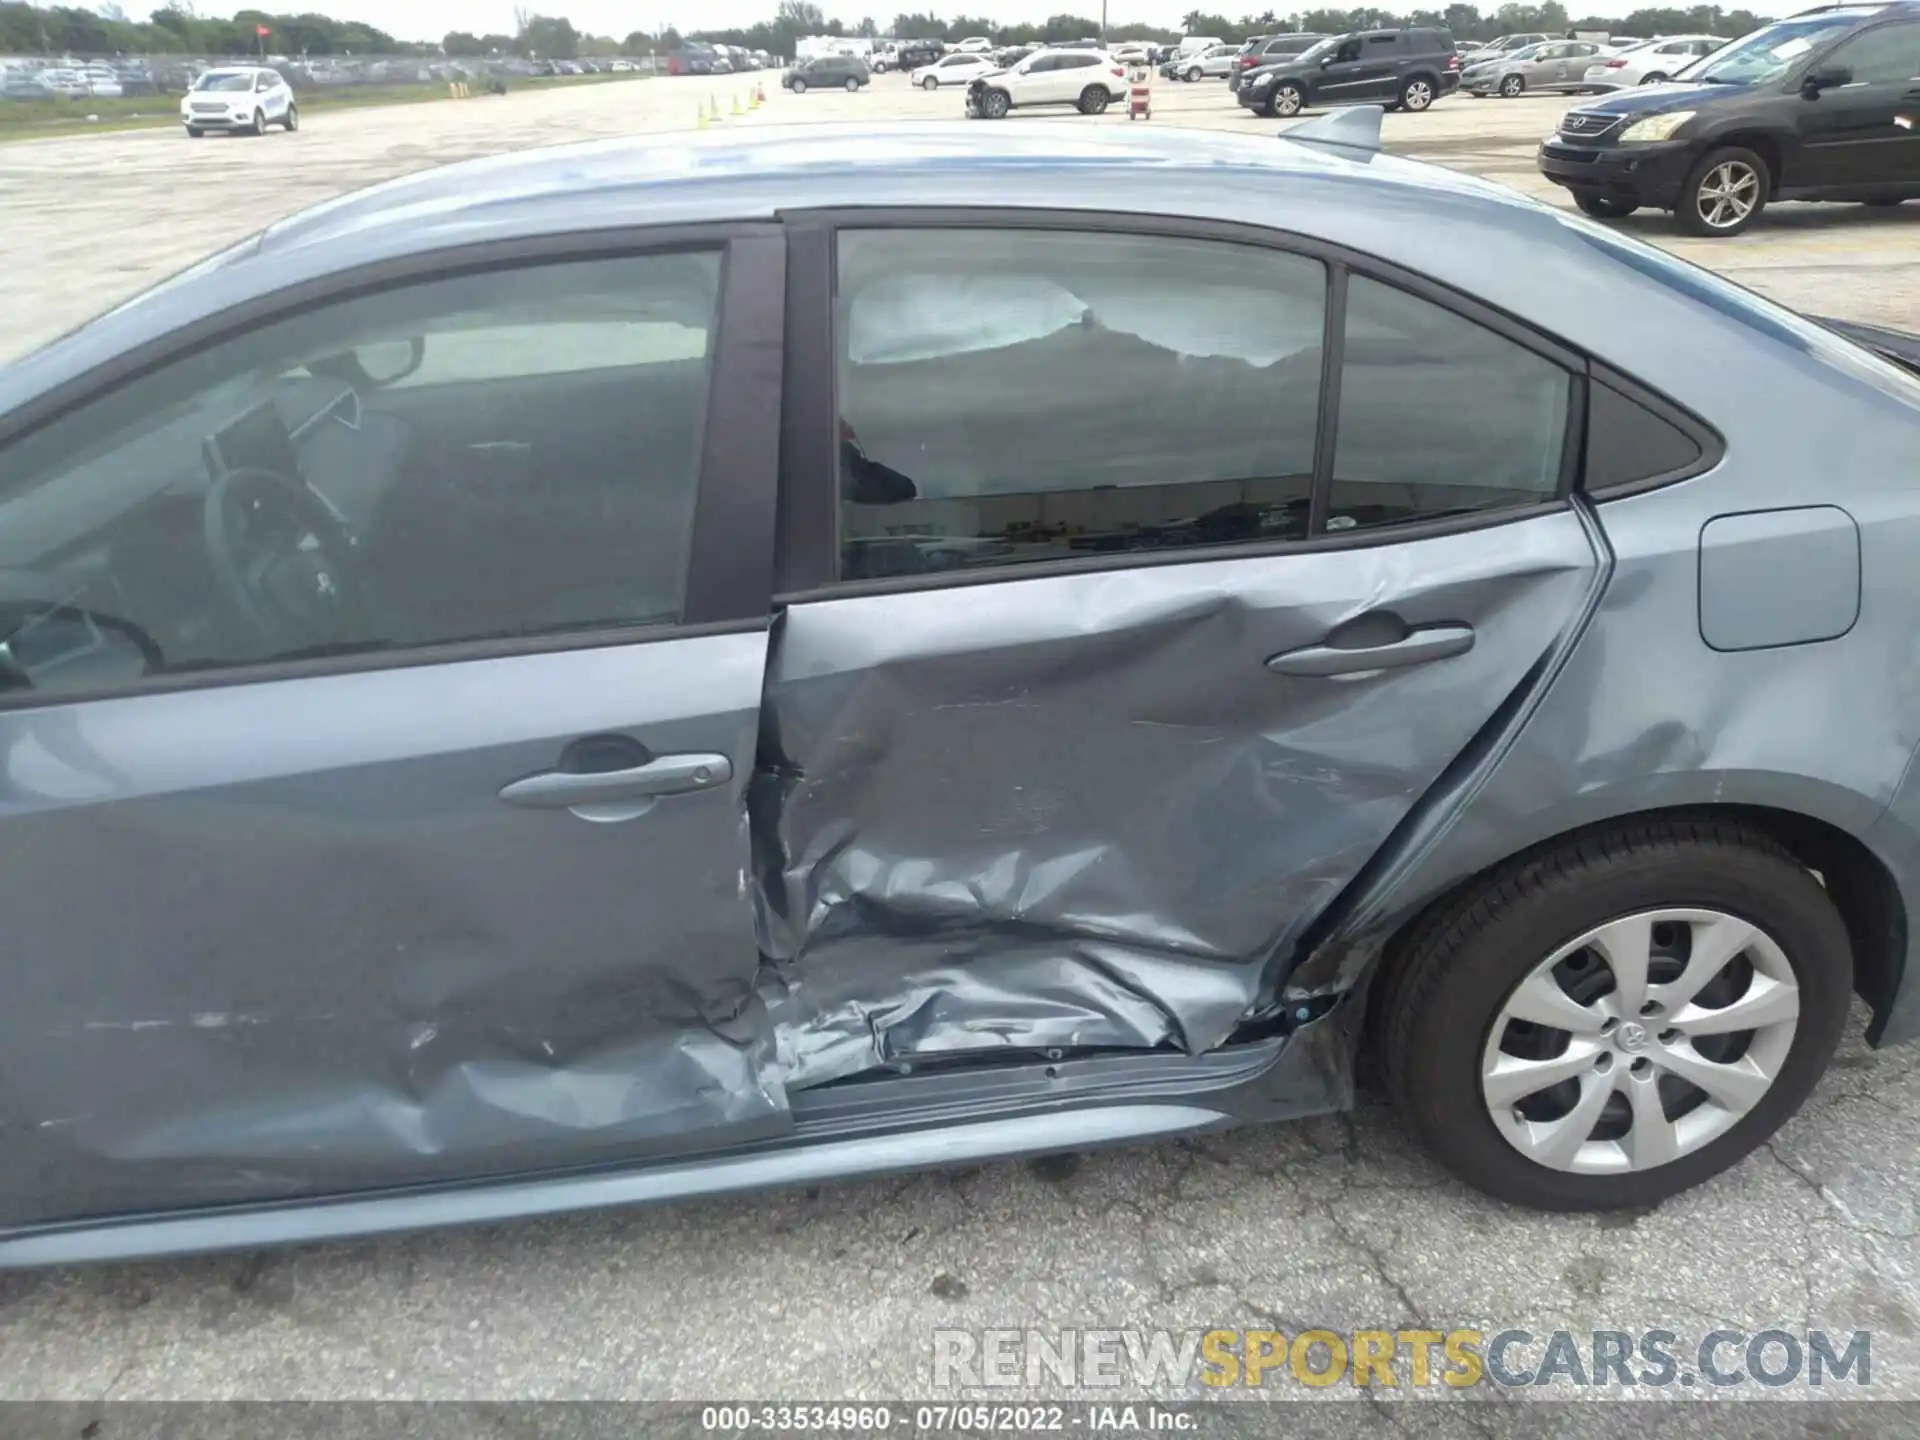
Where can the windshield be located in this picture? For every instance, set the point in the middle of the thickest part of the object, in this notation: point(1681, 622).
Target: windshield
point(1527, 54)
point(1315, 51)
point(1768, 52)
point(224, 82)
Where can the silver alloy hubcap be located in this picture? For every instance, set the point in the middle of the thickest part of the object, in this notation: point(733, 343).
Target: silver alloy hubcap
point(1689, 1055)
point(1728, 194)
point(1287, 101)
point(1418, 95)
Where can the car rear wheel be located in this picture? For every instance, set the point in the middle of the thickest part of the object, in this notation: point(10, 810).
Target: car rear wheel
point(1619, 1018)
point(1287, 100)
point(1416, 94)
point(1512, 85)
point(1724, 194)
point(995, 104)
point(292, 122)
point(1094, 100)
point(1601, 207)
point(853, 84)
point(1654, 79)
point(930, 83)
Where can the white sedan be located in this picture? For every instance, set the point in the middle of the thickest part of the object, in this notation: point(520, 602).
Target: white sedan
point(246, 99)
point(953, 70)
point(1651, 62)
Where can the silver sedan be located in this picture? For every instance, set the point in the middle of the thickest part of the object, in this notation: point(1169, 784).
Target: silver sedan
point(1557, 65)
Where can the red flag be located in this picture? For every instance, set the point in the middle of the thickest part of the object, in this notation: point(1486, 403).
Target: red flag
point(263, 31)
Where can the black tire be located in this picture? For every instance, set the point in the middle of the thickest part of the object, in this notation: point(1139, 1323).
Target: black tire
point(1287, 101)
point(1654, 79)
point(1512, 86)
point(1884, 201)
point(1689, 212)
point(1094, 100)
point(259, 122)
point(1457, 968)
point(194, 132)
point(1418, 94)
point(930, 83)
point(995, 104)
point(799, 87)
point(1602, 207)
point(292, 122)
point(1194, 74)
point(853, 84)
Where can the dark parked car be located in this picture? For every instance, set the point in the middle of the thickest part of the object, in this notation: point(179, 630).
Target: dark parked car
point(919, 53)
point(580, 678)
point(1824, 106)
point(827, 72)
point(1401, 69)
point(1268, 50)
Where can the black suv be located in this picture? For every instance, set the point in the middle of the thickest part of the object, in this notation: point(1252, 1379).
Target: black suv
point(1824, 106)
point(1401, 69)
point(1267, 50)
point(828, 72)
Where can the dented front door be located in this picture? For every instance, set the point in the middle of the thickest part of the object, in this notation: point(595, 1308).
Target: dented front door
point(357, 920)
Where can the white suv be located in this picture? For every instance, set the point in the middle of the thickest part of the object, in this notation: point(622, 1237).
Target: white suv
point(1089, 80)
point(244, 99)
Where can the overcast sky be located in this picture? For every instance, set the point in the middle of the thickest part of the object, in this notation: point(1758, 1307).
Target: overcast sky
point(430, 19)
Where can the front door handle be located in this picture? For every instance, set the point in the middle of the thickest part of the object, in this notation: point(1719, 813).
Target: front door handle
point(619, 794)
point(1416, 647)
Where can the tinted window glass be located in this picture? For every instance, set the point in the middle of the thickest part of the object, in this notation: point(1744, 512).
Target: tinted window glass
point(1628, 443)
point(1439, 415)
point(484, 456)
point(1011, 396)
point(1884, 56)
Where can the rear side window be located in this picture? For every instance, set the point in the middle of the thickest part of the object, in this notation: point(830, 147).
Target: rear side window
point(1438, 415)
point(1033, 396)
point(1013, 396)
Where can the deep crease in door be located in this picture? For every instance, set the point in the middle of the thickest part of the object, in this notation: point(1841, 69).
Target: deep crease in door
point(1078, 812)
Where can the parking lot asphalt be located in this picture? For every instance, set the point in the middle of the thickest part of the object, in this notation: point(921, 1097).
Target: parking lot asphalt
point(835, 1293)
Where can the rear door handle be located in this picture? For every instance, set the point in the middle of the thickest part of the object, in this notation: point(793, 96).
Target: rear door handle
point(619, 794)
point(1417, 647)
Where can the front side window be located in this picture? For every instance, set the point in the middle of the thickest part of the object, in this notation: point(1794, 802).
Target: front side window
point(485, 456)
point(1889, 55)
point(1439, 416)
point(1031, 396)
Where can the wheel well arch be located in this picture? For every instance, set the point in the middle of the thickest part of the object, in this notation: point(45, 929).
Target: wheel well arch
point(1762, 143)
point(1857, 880)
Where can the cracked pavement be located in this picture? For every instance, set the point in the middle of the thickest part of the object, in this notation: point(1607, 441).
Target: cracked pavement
point(835, 1293)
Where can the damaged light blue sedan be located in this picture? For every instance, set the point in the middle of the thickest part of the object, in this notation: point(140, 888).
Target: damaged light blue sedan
point(649, 669)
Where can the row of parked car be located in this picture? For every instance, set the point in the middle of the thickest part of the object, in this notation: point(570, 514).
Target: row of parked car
point(29, 79)
point(698, 57)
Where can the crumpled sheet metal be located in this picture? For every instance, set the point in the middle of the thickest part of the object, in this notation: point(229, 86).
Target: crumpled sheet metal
point(355, 968)
point(1080, 812)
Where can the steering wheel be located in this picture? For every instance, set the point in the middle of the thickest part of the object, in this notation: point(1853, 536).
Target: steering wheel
point(286, 560)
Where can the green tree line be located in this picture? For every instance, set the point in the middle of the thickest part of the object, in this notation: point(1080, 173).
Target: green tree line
point(63, 29)
point(58, 29)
